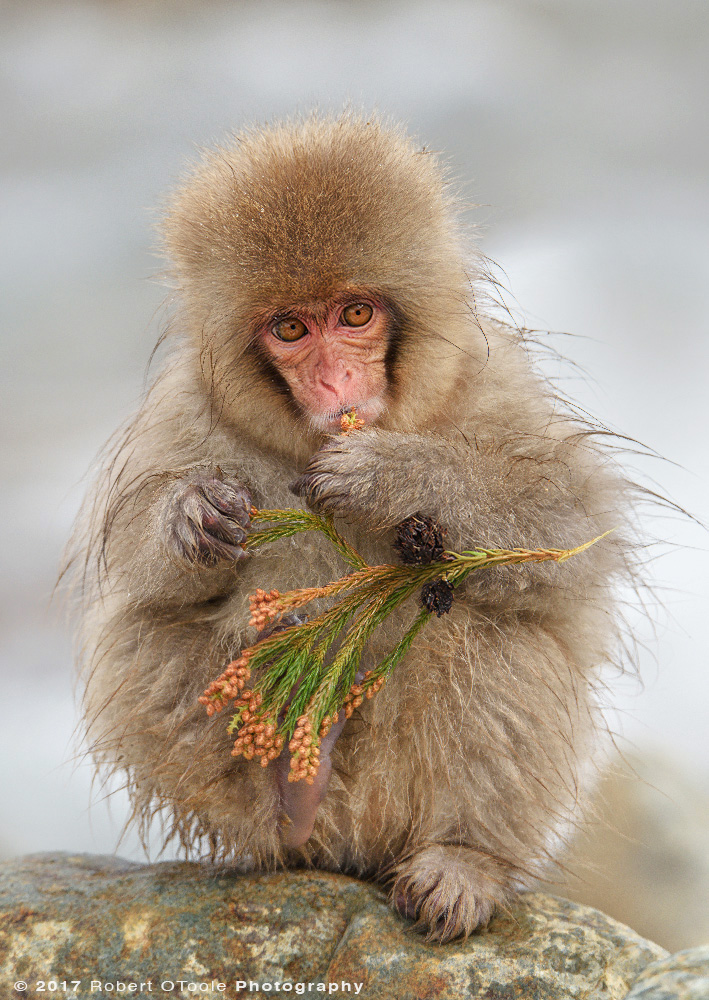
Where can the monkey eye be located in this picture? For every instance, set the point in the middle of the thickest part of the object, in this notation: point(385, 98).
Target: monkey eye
point(289, 329)
point(358, 314)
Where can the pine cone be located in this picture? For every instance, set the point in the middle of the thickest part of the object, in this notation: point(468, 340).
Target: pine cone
point(419, 540)
point(437, 597)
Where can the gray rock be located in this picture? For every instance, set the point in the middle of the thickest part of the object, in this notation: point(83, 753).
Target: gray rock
point(682, 976)
point(103, 920)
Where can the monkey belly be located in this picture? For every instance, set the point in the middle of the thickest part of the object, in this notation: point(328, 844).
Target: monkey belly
point(484, 739)
point(479, 738)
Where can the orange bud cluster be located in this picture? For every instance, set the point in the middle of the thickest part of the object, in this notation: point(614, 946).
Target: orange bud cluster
point(351, 422)
point(367, 689)
point(227, 686)
point(264, 606)
point(353, 699)
point(372, 687)
point(257, 732)
point(305, 752)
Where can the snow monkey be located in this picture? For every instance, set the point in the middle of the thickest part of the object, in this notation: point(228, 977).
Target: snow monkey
point(320, 265)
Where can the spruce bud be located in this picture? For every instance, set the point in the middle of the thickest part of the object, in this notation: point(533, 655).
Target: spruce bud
point(419, 540)
point(437, 597)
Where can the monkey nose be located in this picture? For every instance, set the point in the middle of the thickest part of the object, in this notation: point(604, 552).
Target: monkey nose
point(335, 382)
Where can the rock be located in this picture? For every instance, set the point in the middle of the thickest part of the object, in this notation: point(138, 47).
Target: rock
point(103, 920)
point(645, 859)
point(683, 976)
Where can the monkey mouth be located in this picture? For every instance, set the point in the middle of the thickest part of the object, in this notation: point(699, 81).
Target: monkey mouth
point(368, 410)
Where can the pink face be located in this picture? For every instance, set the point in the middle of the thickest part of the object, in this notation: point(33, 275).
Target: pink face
point(335, 362)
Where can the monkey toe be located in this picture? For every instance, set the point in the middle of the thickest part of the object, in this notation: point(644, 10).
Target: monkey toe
point(449, 891)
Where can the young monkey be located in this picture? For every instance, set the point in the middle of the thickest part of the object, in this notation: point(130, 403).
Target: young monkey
point(318, 266)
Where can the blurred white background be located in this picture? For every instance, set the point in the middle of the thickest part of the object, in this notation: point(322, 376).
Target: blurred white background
point(580, 125)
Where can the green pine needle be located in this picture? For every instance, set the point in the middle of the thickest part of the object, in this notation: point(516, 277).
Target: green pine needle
point(310, 669)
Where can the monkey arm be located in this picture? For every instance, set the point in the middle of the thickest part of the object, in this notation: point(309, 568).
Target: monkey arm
point(169, 511)
point(526, 491)
point(174, 537)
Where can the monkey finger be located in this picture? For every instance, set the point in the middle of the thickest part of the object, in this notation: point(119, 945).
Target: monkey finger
point(224, 529)
point(306, 488)
point(280, 625)
point(190, 543)
point(314, 490)
point(229, 499)
point(208, 551)
point(211, 551)
point(319, 469)
point(300, 486)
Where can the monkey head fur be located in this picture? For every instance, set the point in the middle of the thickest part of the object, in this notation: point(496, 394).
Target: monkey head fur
point(458, 782)
point(294, 216)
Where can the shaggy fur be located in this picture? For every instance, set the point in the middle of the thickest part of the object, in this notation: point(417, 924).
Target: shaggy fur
point(458, 780)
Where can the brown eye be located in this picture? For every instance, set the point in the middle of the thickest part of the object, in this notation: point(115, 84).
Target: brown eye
point(358, 314)
point(290, 329)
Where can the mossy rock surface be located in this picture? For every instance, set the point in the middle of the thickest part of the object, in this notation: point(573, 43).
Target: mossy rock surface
point(100, 919)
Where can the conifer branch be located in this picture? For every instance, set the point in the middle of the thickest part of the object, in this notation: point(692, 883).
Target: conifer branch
point(307, 674)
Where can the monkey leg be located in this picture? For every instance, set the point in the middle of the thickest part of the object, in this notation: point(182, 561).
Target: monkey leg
point(450, 890)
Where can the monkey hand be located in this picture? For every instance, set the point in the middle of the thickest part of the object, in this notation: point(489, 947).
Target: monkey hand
point(348, 476)
point(206, 519)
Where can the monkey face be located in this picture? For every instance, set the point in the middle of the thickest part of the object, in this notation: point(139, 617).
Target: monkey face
point(332, 357)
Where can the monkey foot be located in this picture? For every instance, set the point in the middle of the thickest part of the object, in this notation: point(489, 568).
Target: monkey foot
point(449, 890)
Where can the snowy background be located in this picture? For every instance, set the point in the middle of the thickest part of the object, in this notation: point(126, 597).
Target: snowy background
point(579, 125)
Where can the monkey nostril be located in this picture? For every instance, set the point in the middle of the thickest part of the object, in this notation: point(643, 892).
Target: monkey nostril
point(335, 381)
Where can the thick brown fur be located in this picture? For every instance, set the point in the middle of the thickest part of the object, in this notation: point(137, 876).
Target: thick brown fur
point(458, 781)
